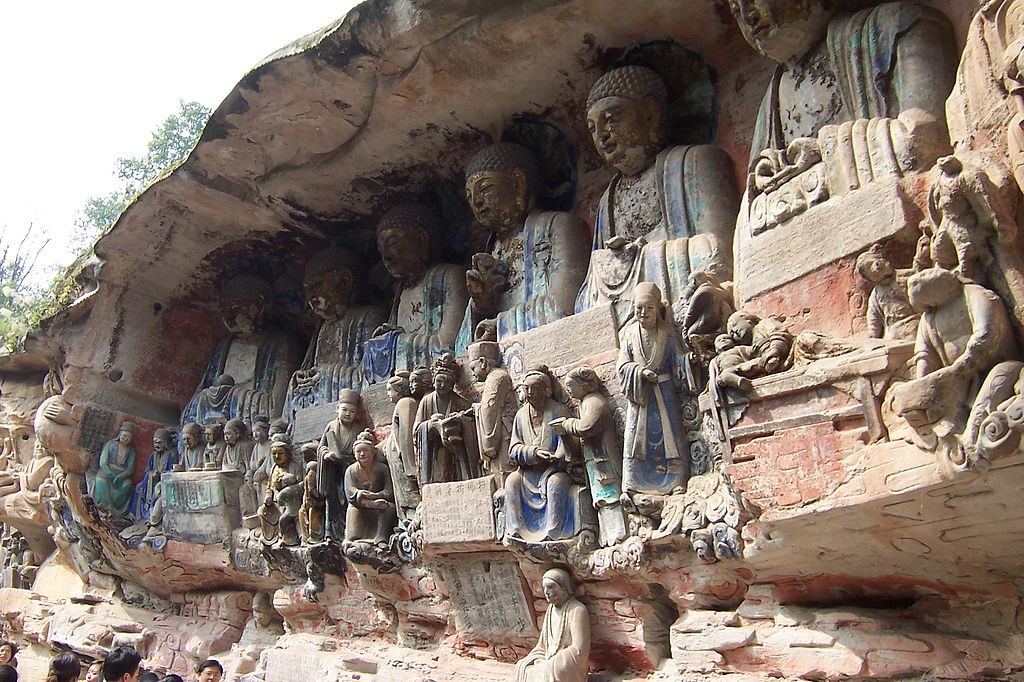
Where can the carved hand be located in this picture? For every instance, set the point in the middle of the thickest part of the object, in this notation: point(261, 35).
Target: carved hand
point(616, 243)
point(489, 453)
point(650, 375)
point(385, 328)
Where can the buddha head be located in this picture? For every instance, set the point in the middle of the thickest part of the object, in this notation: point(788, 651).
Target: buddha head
point(348, 406)
point(191, 434)
point(403, 238)
point(483, 356)
point(398, 386)
point(648, 306)
point(783, 30)
point(626, 113)
point(537, 387)
point(557, 586)
point(420, 381)
point(245, 302)
point(500, 185)
point(446, 372)
point(331, 281)
point(234, 431)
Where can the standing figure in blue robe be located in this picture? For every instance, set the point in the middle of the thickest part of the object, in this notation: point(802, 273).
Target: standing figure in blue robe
point(163, 458)
point(651, 370)
point(541, 501)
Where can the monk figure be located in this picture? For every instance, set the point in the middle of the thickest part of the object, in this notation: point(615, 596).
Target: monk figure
point(192, 446)
point(429, 300)
point(562, 654)
point(334, 359)
point(213, 451)
point(668, 212)
point(162, 459)
point(541, 256)
point(371, 514)
point(333, 456)
point(113, 488)
point(496, 410)
point(400, 445)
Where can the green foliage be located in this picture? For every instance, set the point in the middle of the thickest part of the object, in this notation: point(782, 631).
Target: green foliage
point(170, 144)
point(22, 305)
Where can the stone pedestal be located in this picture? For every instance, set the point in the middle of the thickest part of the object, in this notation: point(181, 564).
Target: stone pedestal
point(201, 506)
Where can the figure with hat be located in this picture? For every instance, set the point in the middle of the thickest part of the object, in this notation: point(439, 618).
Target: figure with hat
point(668, 212)
point(429, 299)
point(249, 372)
point(113, 487)
point(445, 435)
point(333, 361)
point(542, 502)
point(496, 410)
point(371, 517)
point(400, 445)
point(537, 258)
point(334, 455)
point(655, 457)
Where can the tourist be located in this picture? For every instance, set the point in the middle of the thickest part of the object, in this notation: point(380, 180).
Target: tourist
point(210, 670)
point(122, 665)
point(149, 677)
point(172, 678)
point(95, 672)
point(64, 668)
point(8, 651)
point(8, 674)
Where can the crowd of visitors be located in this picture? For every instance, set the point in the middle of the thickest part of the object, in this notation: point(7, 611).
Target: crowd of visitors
point(122, 664)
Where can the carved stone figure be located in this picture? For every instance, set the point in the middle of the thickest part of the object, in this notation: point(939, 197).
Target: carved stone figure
point(890, 315)
point(256, 357)
point(1013, 81)
point(655, 455)
point(874, 81)
point(312, 514)
point(237, 455)
point(259, 466)
point(429, 301)
point(751, 348)
point(496, 410)
point(563, 652)
point(163, 458)
point(400, 446)
point(445, 434)
point(280, 509)
point(537, 258)
point(333, 457)
point(963, 333)
point(113, 488)
point(334, 359)
point(371, 516)
point(421, 381)
point(261, 632)
point(541, 500)
point(602, 454)
point(668, 212)
point(192, 446)
point(213, 451)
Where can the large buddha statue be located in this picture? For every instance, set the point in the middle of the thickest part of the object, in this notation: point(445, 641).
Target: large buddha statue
point(537, 258)
point(668, 212)
point(334, 359)
point(429, 300)
point(249, 372)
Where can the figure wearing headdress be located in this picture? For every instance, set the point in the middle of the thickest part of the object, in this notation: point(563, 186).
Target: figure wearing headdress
point(334, 359)
point(537, 259)
point(445, 435)
point(668, 212)
point(496, 410)
point(429, 300)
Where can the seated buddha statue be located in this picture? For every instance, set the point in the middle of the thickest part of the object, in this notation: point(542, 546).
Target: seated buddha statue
point(669, 211)
point(429, 300)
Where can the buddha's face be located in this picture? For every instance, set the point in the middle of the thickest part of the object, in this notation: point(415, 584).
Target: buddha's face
point(281, 455)
point(499, 200)
point(647, 311)
point(554, 592)
point(260, 432)
point(444, 383)
point(404, 252)
point(782, 30)
point(479, 367)
point(626, 132)
point(328, 294)
point(231, 435)
point(243, 315)
point(347, 413)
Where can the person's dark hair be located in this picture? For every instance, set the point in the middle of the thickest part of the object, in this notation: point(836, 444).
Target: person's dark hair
point(210, 663)
point(8, 674)
point(64, 667)
point(121, 661)
point(150, 677)
point(172, 678)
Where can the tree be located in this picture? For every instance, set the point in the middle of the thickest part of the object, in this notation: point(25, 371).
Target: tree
point(21, 304)
point(170, 144)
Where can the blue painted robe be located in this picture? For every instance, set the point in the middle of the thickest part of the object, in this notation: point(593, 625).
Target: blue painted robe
point(541, 500)
point(145, 491)
point(655, 457)
point(113, 487)
point(694, 181)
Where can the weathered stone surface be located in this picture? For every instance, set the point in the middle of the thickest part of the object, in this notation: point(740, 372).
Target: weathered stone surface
point(201, 506)
point(593, 332)
point(713, 639)
point(459, 513)
point(310, 421)
point(488, 597)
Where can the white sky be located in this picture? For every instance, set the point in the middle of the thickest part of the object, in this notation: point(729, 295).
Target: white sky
point(88, 82)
